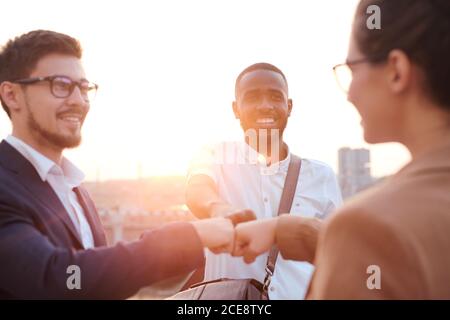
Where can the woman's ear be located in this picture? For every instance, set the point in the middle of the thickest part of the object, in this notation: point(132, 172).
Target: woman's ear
point(399, 70)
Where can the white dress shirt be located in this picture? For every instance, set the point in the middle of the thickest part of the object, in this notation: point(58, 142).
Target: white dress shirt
point(63, 179)
point(244, 181)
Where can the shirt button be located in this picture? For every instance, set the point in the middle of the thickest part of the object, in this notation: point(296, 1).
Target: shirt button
point(265, 199)
point(272, 289)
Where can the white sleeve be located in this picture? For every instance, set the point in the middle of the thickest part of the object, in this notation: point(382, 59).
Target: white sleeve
point(333, 193)
point(203, 163)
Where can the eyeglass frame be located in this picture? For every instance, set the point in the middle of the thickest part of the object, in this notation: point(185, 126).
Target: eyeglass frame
point(50, 79)
point(373, 59)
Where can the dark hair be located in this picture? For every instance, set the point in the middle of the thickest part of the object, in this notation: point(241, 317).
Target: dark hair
point(421, 29)
point(258, 66)
point(20, 55)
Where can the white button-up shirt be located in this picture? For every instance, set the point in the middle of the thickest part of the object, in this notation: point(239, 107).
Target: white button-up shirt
point(244, 181)
point(63, 179)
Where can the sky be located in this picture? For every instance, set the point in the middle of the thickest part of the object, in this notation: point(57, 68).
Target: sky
point(166, 71)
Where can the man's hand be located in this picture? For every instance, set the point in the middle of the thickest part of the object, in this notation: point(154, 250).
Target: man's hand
point(217, 234)
point(254, 238)
point(235, 215)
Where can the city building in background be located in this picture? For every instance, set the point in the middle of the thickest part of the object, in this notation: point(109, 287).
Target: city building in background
point(354, 171)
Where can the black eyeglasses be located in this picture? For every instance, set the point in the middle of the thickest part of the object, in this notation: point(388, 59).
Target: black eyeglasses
point(343, 72)
point(62, 86)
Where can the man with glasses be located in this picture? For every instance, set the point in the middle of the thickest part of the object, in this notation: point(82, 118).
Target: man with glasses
point(49, 227)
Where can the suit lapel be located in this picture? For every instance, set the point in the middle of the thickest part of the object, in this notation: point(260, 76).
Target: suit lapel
point(13, 160)
point(91, 215)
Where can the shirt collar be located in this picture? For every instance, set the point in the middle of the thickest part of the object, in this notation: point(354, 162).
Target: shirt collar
point(251, 156)
point(44, 166)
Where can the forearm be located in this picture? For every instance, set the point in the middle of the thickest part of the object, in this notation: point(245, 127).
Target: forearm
point(35, 268)
point(203, 199)
point(296, 237)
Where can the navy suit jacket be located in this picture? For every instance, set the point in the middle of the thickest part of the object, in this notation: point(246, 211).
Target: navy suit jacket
point(38, 243)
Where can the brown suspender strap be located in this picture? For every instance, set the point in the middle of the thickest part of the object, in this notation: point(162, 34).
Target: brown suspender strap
point(290, 184)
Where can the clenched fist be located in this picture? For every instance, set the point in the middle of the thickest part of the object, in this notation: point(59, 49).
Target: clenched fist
point(254, 238)
point(216, 234)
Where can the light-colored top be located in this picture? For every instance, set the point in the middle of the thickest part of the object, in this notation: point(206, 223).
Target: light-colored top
point(244, 180)
point(63, 179)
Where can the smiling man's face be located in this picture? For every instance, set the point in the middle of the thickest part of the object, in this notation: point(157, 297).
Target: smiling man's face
point(54, 121)
point(262, 101)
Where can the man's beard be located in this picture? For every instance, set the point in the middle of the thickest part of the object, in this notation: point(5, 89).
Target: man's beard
point(58, 140)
